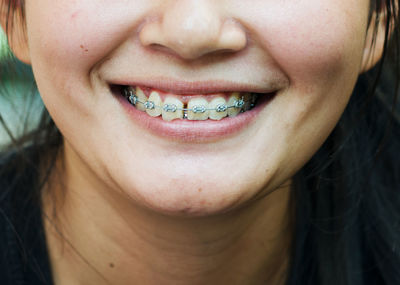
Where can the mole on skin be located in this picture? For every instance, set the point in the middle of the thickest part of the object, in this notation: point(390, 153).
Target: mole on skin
point(83, 47)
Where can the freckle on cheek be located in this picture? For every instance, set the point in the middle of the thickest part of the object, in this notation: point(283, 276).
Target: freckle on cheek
point(83, 47)
point(74, 15)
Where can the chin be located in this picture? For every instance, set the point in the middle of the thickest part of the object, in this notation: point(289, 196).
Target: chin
point(189, 200)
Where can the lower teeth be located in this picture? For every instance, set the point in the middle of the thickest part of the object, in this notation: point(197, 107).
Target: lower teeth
point(239, 105)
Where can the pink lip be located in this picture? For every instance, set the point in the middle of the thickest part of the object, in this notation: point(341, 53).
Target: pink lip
point(193, 131)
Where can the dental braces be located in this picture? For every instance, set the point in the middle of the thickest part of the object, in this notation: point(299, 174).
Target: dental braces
point(149, 105)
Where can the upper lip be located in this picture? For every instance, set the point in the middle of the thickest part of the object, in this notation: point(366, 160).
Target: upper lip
point(195, 87)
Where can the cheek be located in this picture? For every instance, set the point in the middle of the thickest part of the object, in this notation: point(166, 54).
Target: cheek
point(68, 40)
point(76, 36)
point(318, 44)
point(47, 33)
point(315, 40)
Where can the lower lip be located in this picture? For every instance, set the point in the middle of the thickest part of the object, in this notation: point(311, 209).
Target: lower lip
point(194, 131)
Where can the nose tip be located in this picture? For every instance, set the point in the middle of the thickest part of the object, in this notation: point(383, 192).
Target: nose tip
point(192, 29)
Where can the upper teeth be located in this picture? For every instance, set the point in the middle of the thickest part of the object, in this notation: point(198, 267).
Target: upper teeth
point(197, 108)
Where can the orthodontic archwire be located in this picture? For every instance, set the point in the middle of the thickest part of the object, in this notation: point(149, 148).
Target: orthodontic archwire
point(134, 100)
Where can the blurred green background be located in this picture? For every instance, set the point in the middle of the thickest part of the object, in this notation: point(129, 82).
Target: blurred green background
point(3, 45)
point(20, 103)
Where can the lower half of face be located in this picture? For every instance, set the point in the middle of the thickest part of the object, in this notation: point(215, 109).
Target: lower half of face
point(195, 107)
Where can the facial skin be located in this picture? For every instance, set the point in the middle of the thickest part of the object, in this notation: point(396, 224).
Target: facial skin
point(311, 51)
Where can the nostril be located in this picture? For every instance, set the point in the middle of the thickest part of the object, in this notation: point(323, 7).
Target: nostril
point(166, 50)
point(222, 52)
point(159, 47)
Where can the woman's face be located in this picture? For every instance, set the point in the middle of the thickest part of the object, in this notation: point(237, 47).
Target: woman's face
point(307, 53)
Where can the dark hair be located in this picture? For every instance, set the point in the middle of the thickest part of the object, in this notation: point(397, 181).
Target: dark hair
point(345, 200)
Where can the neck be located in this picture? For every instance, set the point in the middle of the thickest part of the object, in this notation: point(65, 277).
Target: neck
point(101, 237)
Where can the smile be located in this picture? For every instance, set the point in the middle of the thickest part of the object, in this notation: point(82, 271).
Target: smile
point(174, 107)
point(191, 115)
